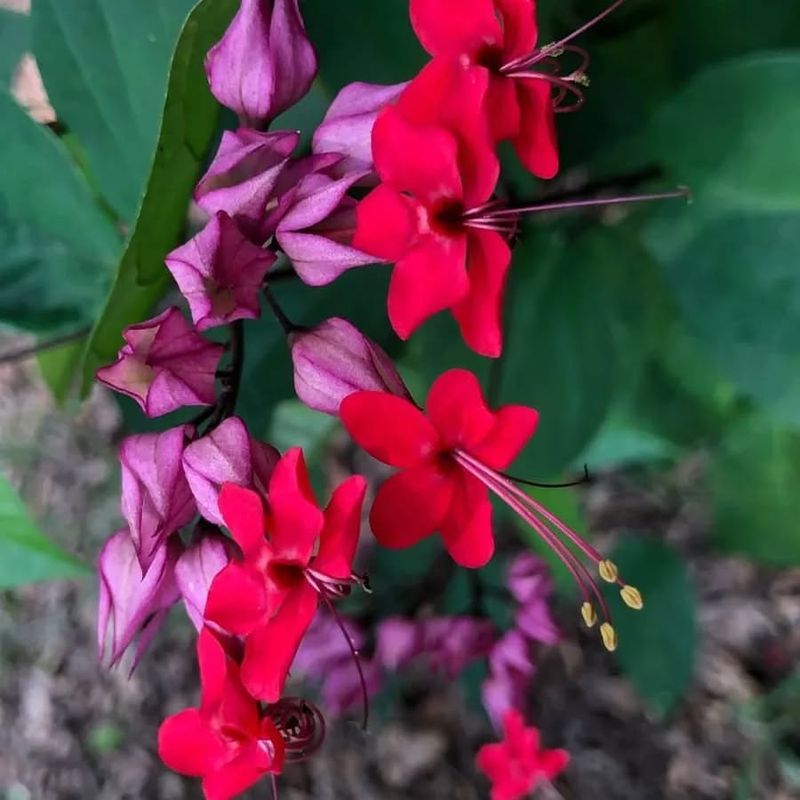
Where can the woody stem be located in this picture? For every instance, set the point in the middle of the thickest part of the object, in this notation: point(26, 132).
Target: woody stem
point(279, 314)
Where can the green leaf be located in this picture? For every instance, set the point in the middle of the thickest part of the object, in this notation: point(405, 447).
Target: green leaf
point(296, 425)
point(42, 187)
point(732, 133)
point(572, 303)
point(658, 645)
point(14, 41)
point(47, 287)
point(738, 286)
point(754, 482)
point(104, 63)
point(60, 367)
point(26, 555)
point(379, 32)
point(187, 132)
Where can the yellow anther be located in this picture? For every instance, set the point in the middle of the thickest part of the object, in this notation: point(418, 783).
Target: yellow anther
point(589, 614)
point(608, 571)
point(609, 636)
point(632, 597)
point(581, 78)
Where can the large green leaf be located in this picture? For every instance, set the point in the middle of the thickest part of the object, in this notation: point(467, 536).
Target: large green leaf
point(732, 133)
point(658, 645)
point(737, 283)
point(105, 65)
point(26, 555)
point(363, 40)
point(42, 188)
point(14, 41)
point(754, 482)
point(572, 304)
point(187, 132)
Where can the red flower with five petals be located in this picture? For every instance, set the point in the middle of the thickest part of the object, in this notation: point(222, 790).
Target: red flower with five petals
point(498, 36)
point(517, 765)
point(292, 553)
point(436, 160)
point(225, 741)
point(435, 491)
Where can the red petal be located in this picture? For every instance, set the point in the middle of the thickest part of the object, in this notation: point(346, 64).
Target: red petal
point(270, 649)
point(243, 513)
point(411, 505)
point(431, 278)
point(536, 144)
point(296, 520)
point(213, 664)
point(239, 711)
point(450, 95)
point(235, 777)
point(421, 160)
point(410, 438)
point(339, 537)
point(467, 529)
point(187, 744)
point(513, 426)
point(457, 409)
point(237, 600)
point(386, 223)
point(520, 31)
point(455, 27)
point(493, 761)
point(553, 762)
point(502, 107)
point(479, 315)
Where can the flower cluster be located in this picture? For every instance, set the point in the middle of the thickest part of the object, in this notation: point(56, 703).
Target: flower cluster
point(222, 521)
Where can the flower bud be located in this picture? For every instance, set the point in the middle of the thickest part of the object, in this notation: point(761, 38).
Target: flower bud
point(264, 63)
point(227, 455)
point(334, 360)
point(220, 273)
point(165, 365)
point(156, 500)
point(132, 601)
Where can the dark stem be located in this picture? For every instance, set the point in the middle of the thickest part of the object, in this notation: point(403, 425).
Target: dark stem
point(279, 314)
point(231, 383)
point(585, 479)
point(21, 353)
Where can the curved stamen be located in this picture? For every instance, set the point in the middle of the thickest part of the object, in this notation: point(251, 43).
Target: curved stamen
point(566, 85)
point(568, 484)
point(301, 725)
point(321, 590)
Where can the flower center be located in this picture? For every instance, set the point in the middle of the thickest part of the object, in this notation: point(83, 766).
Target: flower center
point(287, 575)
point(490, 56)
point(448, 217)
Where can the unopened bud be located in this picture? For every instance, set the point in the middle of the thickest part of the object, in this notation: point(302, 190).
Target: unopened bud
point(334, 360)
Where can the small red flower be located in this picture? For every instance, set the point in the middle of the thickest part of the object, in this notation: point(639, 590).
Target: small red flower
point(436, 161)
point(226, 741)
point(434, 491)
point(293, 553)
point(517, 765)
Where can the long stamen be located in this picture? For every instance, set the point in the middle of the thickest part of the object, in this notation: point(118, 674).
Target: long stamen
point(564, 205)
point(354, 651)
point(568, 84)
point(549, 49)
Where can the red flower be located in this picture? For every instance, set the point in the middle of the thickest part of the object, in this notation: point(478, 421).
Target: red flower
point(225, 741)
point(517, 765)
point(434, 491)
point(493, 35)
point(292, 553)
point(436, 161)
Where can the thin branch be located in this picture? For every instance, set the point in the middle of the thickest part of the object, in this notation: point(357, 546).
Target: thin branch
point(22, 353)
point(279, 314)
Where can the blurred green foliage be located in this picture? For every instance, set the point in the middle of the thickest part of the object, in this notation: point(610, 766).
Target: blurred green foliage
point(638, 333)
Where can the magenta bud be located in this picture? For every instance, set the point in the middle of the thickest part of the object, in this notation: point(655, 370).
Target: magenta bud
point(132, 602)
point(227, 455)
point(334, 359)
point(196, 569)
point(165, 365)
point(347, 127)
point(264, 63)
point(220, 273)
point(156, 499)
